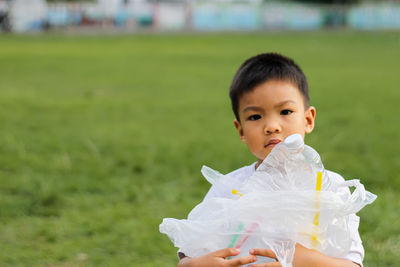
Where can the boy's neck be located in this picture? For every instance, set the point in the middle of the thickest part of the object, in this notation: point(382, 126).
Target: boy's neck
point(258, 164)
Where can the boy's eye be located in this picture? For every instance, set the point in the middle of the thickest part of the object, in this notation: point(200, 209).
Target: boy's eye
point(286, 112)
point(254, 117)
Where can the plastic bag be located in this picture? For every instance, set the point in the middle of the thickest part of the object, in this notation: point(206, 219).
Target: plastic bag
point(289, 199)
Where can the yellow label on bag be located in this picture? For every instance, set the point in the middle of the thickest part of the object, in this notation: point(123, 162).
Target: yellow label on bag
point(317, 206)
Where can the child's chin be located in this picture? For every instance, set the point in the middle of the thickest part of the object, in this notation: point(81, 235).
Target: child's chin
point(265, 156)
point(268, 150)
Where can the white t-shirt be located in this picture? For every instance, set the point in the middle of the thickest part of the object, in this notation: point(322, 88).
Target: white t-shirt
point(356, 253)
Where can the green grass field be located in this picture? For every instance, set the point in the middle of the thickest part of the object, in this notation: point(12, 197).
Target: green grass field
point(102, 137)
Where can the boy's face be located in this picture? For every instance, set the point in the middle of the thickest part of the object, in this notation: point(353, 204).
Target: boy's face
point(271, 112)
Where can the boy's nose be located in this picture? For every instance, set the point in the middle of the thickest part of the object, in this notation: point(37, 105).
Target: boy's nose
point(272, 128)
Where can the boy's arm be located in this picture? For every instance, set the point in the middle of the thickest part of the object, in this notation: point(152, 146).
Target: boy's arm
point(217, 259)
point(304, 257)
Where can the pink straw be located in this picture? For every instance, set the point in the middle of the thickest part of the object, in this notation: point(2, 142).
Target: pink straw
point(248, 232)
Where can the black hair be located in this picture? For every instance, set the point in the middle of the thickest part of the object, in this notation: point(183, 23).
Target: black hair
point(262, 68)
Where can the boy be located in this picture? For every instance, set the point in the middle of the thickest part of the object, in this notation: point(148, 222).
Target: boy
point(269, 95)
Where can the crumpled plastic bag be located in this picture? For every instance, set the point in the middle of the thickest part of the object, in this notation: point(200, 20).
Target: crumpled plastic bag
point(289, 199)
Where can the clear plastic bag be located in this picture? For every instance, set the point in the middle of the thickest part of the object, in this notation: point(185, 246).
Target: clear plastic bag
point(289, 199)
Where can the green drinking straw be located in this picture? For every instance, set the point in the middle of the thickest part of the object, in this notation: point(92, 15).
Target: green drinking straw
point(240, 226)
point(235, 236)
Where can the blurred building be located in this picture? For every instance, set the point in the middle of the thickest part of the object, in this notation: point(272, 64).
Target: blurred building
point(23, 15)
point(195, 15)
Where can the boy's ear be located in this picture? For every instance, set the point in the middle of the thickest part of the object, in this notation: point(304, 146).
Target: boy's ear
point(240, 130)
point(310, 119)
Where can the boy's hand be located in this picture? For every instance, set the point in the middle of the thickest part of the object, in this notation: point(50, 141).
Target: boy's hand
point(266, 253)
point(303, 257)
point(218, 259)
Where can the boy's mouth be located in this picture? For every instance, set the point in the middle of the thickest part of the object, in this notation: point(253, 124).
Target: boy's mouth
point(271, 143)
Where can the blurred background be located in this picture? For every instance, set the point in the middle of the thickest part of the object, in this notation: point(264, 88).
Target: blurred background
point(197, 15)
point(109, 109)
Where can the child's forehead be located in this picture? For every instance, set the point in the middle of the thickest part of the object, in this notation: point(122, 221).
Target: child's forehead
point(272, 90)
